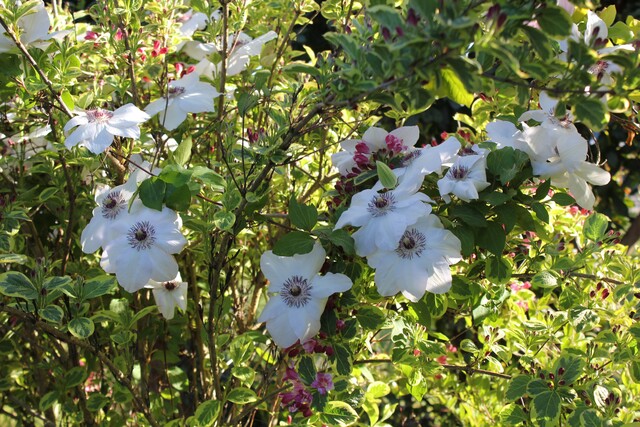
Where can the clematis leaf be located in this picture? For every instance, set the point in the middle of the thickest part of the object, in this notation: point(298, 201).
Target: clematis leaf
point(387, 178)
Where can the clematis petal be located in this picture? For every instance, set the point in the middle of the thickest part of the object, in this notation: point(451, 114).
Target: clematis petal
point(440, 278)
point(100, 142)
point(329, 284)
point(593, 174)
point(375, 138)
point(581, 191)
point(163, 266)
point(165, 302)
point(280, 330)
point(408, 134)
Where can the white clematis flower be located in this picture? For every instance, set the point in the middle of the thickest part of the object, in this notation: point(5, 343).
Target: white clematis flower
point(169, 295)
point(383, 217)
point(419, 262)
point(465, 178)
point(34, 30)
point(139, 247)
point(186, 95)
point(506, 134)
point(298, 294)
point(565, 164)
point(96, 128)
point(241, 48)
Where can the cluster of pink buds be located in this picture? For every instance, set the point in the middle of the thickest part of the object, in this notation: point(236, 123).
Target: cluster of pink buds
point(255, 135)
point(181, 70)
point(312, 346)
point(299, 398)
point(158, 49)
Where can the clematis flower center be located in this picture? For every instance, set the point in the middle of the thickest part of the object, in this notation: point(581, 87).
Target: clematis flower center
point(99, 115)
point(409, 158)
point(170, 285)
point(411, 244)
point(112, 205)
point(381, 204)
point(599, 68)
point(141, 236)
point(175, 91)
point(458, 172)
point(296, 292)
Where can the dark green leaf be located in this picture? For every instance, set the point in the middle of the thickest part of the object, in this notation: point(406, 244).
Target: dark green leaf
point(592, 112)
point(573, 368)
point(97, 401)
point(52, 313)
point(498, 270)
point(469, 215)
point(16, 284)
point(554, 21)
point(99, 286)
point(151, 192)
point(48, 400)
point(517, 387)
point(546, 407)
point(208, 412)
point(492, 238)
point(506, 162)
point(295, 242)
point(75, 376)
point(209, 177)
point(178, 198)
point(370, 317)
point(52, 283)
point(544, 279)
point(513, 415)
point(343, 239)
point(541, 212)
point(307, 370)
point(301, 215)
point(342, 357)
point(224, 220)
point(81, 327)
point(242, 396)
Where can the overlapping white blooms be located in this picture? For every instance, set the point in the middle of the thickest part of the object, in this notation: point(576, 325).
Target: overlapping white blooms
point(240, 47)
point(139, 247)
point(506, 134)
point(567, 166)
point(359, 151)
point(96, 128)
point(465, 178)
point(420, 162)
point(113, 204)
point(34, 30)
point(298, 294)
point(184, 96)
point(419, 262)
point(169, 295)
point(383, 216)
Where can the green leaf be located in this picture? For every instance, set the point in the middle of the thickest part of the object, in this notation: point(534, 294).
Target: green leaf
point(52, 283)
point(370, 317)
point(16, 284)
point(468, 346)
point(343, 239)
point(208, 412)
point(517, 387)
point(544, 279)
point(98, 286)
point(209, 177)
point(75, 376)
point(469, 215)
point(546, 407)
point(151, 192)
point(47, 193)
point(301, 215)
point(595, 227)
point(539, 41)
point(506, 162)
point(97, 401)
point(498, 270)
point(513, 415)
point(573, 368)
point(377, 389)
point(245, 374)
point(337, 413)
point(67, 99)
point(387, 178)
point(81, 327)
point(183, 152)
point(492, 238)
point(342, 357)
point(224, 220)
point(455, 88)
point(307, 370)
point(15, 258)
point(541, 212)
point(536, 387)
point(48, 400)
point(242, 396)
point(178, 198)
point(608, 15)
point(52, 313)
point(592, 112)
point(295, 242)
point(436, 304)
point(554, 21)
